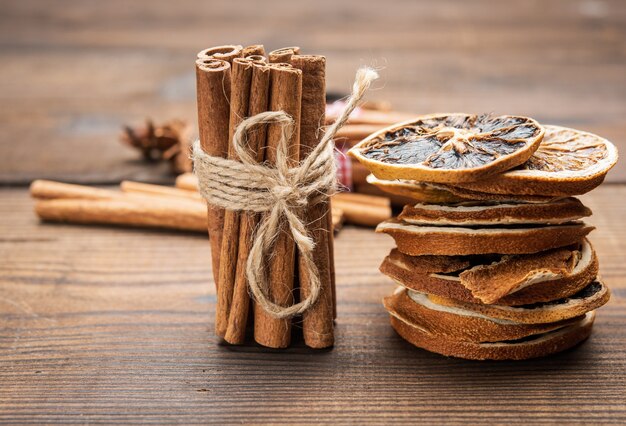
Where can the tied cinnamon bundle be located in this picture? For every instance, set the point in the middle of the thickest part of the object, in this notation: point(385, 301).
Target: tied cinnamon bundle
point(283, 192)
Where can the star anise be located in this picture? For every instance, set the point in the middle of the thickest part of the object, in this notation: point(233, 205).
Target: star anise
point(168, 141)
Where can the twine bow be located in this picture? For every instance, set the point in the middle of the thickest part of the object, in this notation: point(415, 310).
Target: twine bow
point(281, 192)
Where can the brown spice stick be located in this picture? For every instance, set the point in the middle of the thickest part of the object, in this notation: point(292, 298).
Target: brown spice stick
point(187, 181)
point(372, 117)
point(213, 91)
point(337, 219)
point(351, 197)
point(159, 190)
point(129, 212)
point(377, 105)
point(225, 53)
point(359, 172)
point(47, 189)
point(283, 55)
point(395, 200)
point(357, 132)
point(360, 213)
point(331, 256)
point(257, 58)
point(253, 50)
point(285, 95)
point(240, 306)
point(317, 324)
point(241, 78)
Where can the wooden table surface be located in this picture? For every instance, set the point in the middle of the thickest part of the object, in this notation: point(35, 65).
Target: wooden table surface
point(101, 325)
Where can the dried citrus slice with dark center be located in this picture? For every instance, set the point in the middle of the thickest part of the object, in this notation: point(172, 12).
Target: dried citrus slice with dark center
point(449, 148)
point(567, 162)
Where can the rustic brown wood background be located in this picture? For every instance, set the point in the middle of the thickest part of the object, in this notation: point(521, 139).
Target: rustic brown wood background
point(101, 325)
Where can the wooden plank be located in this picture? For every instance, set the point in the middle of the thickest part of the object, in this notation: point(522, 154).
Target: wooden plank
point(115, 325)
point(72, 74)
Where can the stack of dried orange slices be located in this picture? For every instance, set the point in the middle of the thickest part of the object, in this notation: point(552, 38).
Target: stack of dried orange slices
point(492, 260)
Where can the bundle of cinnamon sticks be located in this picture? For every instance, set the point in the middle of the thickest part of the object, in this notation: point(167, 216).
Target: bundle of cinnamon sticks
point(234, 83)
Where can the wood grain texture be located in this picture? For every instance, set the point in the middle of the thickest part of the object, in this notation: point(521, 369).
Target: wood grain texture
point(101, 325)
point(112, 325)
point(110, 63)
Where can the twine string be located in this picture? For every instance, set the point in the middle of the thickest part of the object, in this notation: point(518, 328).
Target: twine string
point(281, 192)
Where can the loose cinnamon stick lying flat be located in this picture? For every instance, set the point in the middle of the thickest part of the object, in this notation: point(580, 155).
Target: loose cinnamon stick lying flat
point(213, 91)
point(317, 324)
point(187, 181)
point(47, 189)
point(351, 197)
point(285, 95)
point(382, 118)
point(357, 132)
point(119, 211)
point(337, 218)
point(384, 106)
point(241, 79)
point(369, 189)
point(361, 209)
point(160, 190)
point(62, 202)
point(240, 305)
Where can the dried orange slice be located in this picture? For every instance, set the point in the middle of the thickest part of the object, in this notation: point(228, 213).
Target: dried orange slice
point(589, 298)
point(449, 148)
point(491, 213)
point(508, 280)
point(418, 191)
point(439, 193)
point(567, 162)
point(458, 322)
point(417, 240)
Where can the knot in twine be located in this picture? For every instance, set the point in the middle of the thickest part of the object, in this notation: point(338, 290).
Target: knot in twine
point(281, 192)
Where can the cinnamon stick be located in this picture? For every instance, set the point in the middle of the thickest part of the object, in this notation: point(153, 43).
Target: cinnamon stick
point(213, 91)
point(359, 172)
point(331, 256)
point(160, 190)
point(47, 189)
point(187, 181)
point(257, 58)
point(240, 305)
point(384, 106)
point(394, 199)
point(357, 132)
point(225, 53)
point(128, 212)
point(373, 117)
point(255, 49)
point(241, 78)
point(366, 210)
point(337, 218)
point(283, 55)
point(285, 95)
point(351, 197)
point(317, 324)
